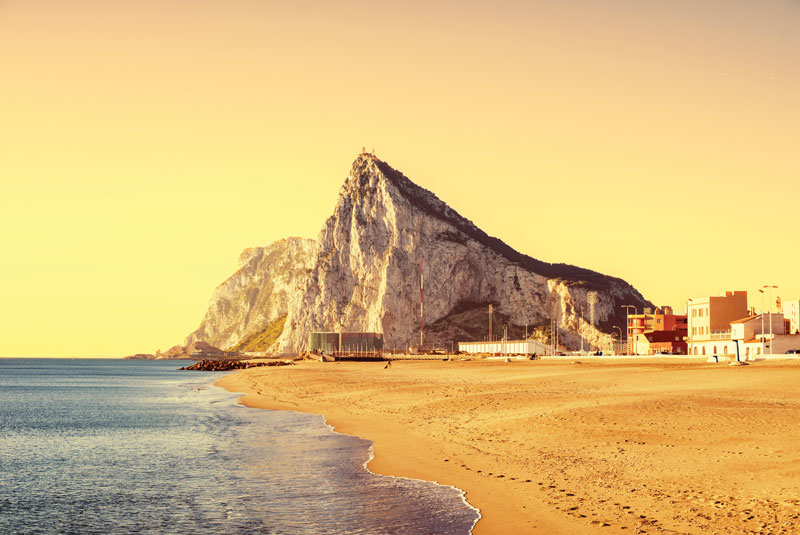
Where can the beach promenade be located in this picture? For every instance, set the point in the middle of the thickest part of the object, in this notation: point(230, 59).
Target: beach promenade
point(556, 447)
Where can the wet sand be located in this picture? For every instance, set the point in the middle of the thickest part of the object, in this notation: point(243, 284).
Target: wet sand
point(562, 448)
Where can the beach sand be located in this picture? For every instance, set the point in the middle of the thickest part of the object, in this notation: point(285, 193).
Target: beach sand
point(620, 446)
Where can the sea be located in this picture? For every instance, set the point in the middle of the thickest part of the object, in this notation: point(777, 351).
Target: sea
point(107, 446)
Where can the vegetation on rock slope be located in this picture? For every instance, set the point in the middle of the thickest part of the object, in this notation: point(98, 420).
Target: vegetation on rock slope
point(262, 340)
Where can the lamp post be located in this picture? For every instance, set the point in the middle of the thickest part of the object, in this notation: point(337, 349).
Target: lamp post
point(762, 320)
point(769, 304)
point(620, 334)
point(628, 325)
point(579, 327)
point(689, 336)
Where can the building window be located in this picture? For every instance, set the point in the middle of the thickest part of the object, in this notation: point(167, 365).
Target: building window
point(704, 350)
point(725, 350)
point(715, 350)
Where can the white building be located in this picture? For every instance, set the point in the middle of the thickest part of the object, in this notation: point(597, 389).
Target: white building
point(791, 311)
point(753, 334)
point(709, 322)
point(508, 347)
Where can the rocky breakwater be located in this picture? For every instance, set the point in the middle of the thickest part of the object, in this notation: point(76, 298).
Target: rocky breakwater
point(225, 365)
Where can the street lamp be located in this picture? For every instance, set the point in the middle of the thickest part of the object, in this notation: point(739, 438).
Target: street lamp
point(769, 304)
point(762, 320)
point(620, 334)
point(689, 332)
point(628, 325)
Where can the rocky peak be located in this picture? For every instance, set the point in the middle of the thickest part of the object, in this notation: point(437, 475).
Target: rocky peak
point(363, 274)
point(366, 276)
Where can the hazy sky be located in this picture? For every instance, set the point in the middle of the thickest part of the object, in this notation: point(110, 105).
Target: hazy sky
point(144, 144)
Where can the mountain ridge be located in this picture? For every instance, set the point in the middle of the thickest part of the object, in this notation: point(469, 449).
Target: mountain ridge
point(540, 266)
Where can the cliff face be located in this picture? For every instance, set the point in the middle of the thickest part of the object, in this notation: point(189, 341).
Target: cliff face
point(363, 274)
point(257, 294)
point(366, 274)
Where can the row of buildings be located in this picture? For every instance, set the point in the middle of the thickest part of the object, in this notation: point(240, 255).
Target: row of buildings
point(720, 325)
point(716, 325)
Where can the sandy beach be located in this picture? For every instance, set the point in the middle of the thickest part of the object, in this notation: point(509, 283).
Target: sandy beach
point(550, 447)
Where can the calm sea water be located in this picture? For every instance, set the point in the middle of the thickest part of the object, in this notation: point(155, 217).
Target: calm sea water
point(122, 446)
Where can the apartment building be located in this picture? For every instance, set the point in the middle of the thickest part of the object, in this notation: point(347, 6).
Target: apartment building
point(709, 322)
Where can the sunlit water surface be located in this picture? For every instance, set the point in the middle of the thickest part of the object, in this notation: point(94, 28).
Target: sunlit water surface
point(113, 446)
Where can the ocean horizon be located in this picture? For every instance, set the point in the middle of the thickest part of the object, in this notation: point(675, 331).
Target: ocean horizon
point(121, 446)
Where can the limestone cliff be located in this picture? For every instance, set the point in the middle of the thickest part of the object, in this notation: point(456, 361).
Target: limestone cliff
point(257, 295)
point(366, 274)
point(363, 274)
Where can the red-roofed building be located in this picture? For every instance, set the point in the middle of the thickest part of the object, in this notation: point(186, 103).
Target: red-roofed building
point(640, 326)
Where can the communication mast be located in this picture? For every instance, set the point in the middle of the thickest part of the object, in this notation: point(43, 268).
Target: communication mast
point(591, 299)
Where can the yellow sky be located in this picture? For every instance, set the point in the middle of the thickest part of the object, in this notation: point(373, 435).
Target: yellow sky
point(144, 143)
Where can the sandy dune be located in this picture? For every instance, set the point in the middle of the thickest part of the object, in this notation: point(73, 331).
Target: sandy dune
point(574, 448)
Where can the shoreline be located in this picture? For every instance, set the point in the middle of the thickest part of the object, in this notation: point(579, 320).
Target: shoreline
point(545, 447)
point(371, 457)
point(393, 461)
point(251, 398)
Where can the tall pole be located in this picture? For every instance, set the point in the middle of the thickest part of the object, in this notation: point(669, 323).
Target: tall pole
point(628, 325)
point(688, 330)
point(769, 306)
point(421, 300)
point(558, 342)
point(762, 320)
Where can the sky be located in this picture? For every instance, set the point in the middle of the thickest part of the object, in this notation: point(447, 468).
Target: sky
point(144, 144)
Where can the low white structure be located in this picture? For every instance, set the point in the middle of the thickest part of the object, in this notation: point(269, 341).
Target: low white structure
point(752, 335)
point(507, 347)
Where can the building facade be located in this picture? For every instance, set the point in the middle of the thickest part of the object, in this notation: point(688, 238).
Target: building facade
point(754, 336)
point(663, 320)
point(343, 342)
point(660, 342)
point(709, 322)
point(507, 347)
point(791, 312)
